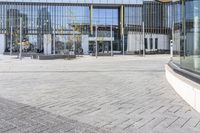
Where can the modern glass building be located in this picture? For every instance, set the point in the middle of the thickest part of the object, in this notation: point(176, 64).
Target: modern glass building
point(187, 35)
point(119, 25)
point(51, 26)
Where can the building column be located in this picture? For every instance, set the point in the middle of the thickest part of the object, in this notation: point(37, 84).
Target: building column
point(47, 44)
point(85, 43)
point(122, 27)
point(91, 21)
point(122, 20)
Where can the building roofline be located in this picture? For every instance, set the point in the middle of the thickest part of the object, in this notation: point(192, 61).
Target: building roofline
point(110, 2)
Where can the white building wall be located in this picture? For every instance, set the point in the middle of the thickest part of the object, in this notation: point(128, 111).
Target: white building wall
point(135, 41)
point(163, 41)
point(47, 44)
point(85, 44)
point(2, 43)
point(101, 39)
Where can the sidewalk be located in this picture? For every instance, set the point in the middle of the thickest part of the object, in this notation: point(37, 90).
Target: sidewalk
point(121, 94)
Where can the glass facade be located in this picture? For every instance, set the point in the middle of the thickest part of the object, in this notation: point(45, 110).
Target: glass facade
point(104, 17)
point(59, 19)
point(157, 20)
point(84, 1)
point(133, 15)
point(187, 35)
point(40, 19)
point(149, 12)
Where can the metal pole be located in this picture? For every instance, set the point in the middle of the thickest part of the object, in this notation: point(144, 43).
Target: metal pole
point(183, 27)
point(96, 41)
point(65, 42)
point(11, 40)
point(172, 42)
point(20, 50)
point(171, 50)
point(123, 44)
point(143, 39)
point(74, 42)
point(47, 49)
point(54, 41)
point(111, 35)
point(173, 37)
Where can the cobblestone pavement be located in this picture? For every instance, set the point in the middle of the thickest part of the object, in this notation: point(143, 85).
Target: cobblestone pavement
point(21, 118)
point(121, 94)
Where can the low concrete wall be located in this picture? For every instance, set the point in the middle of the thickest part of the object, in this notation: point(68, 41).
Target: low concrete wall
point(187, 89)
point(54, 57)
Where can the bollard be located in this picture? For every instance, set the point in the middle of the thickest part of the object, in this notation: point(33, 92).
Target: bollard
point(171, 50)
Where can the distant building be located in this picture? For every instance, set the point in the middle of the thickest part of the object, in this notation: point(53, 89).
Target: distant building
point(124, 17)
point(43, 26)
point(163, 20)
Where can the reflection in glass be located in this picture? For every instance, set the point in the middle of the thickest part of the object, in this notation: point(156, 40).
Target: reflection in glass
point(40, 19)
point(187, 35)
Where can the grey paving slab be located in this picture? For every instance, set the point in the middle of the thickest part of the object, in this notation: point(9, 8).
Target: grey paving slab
point(47, 122)
point(108, 94)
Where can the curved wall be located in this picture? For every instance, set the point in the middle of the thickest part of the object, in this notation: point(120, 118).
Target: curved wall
point(187, 35)
point(187, 89)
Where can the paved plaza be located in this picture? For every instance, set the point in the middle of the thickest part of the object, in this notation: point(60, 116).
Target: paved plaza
point(120, 94)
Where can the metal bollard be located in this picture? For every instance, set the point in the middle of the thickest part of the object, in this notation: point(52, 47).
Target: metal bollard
point(171, 50)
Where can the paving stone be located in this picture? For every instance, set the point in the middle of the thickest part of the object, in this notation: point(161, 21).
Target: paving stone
point(88, 95)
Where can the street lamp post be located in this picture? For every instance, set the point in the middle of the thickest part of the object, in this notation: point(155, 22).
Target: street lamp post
point(123, 44)
point(111, 35)
point(143, 39)
point(54, 41)
point(172, 42)
point(20, 50)
point(96, 41)
point(74, 41)
point(11, 40)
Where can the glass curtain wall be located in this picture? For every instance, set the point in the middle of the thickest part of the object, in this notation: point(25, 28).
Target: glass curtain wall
point(40, 19)
point(157, 18)
point(133, 22)
point(177, 26)
point(187, 34)
point(59, 19)
point(106, 18)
